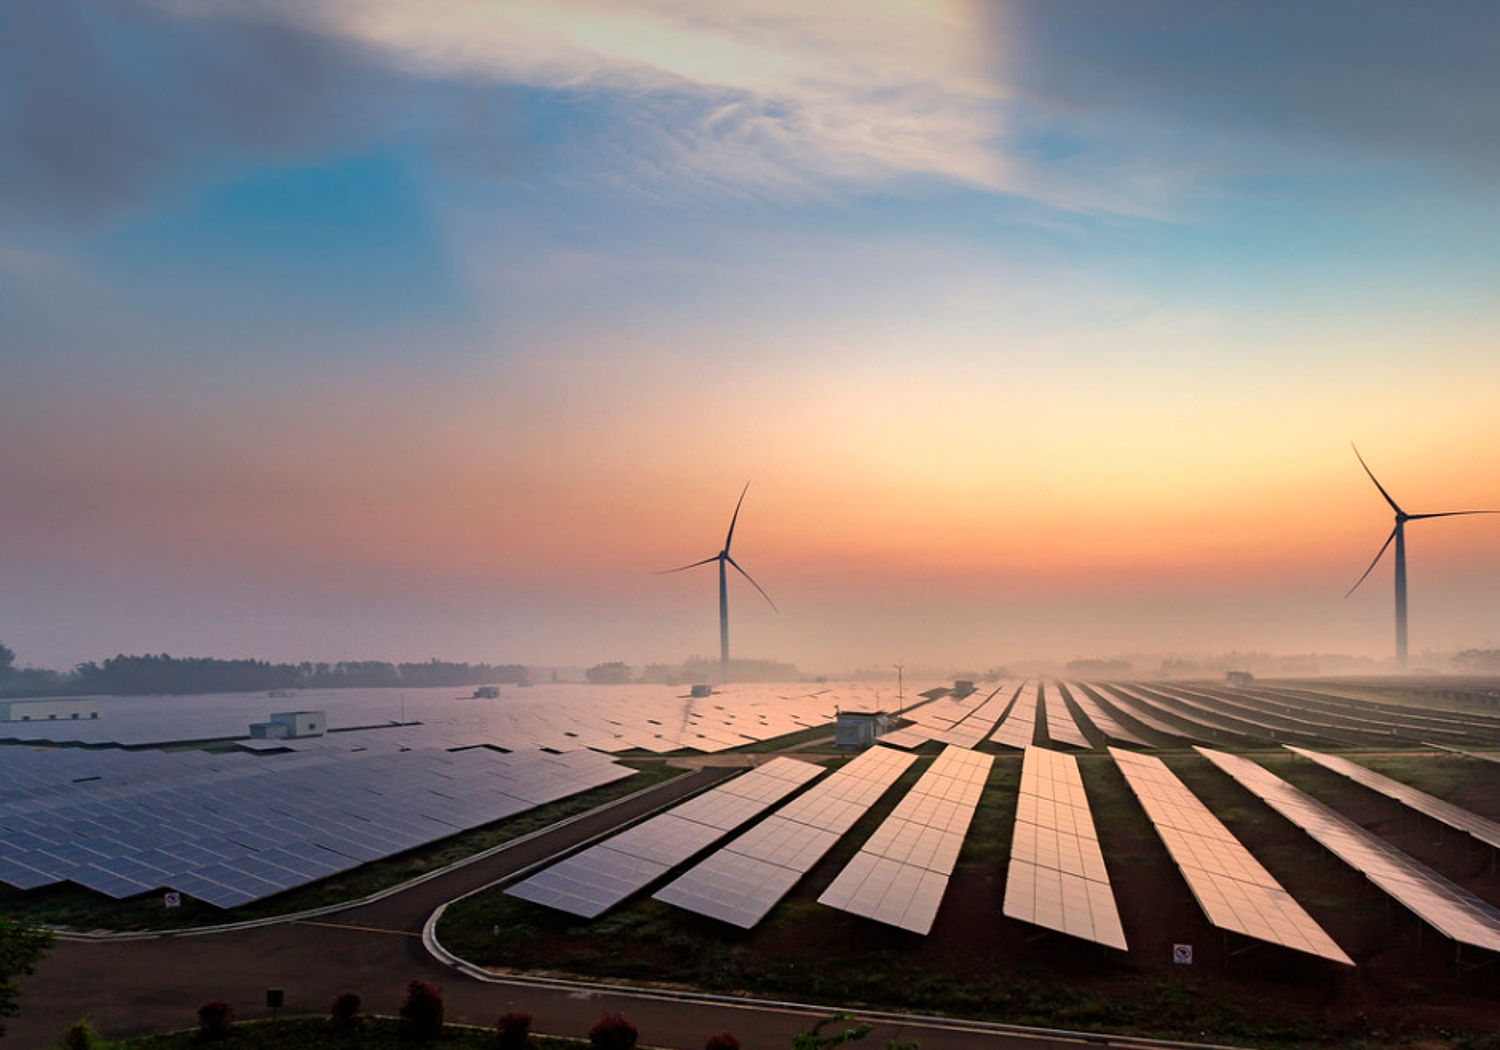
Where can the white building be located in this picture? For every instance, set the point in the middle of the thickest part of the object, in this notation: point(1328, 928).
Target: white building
point(284, 725)
point(859, 728)
point(69, 710)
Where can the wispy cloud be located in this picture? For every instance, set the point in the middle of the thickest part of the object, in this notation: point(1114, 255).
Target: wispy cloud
point(758, 95)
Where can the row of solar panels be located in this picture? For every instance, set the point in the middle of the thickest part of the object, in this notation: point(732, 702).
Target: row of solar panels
point(1132, 715)
point(1013, 716)
point(229, 829)
point(1208, 715)
point(560, 717)
point(1057, 877)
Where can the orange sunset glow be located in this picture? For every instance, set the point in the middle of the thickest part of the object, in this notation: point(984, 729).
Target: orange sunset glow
point(455, 352)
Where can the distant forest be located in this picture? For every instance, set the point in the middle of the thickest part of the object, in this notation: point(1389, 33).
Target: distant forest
point(150, 675)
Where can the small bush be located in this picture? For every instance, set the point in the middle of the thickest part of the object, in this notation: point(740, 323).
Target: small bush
point(722, 1041)
point(422, 1012)
point(80, 1036)
point(512, 1031)
point(344, 1013)
point(612, 1032)
point(215, 1019)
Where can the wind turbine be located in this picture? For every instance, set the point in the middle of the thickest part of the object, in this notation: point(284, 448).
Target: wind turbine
point(1398, 533)
point(724, 558)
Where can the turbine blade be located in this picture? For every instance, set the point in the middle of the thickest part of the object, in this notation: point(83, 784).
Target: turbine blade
point(695, 564)
point(1449, 514)
point(729, 538)
point(757, 586)
point(1394, 505)
point(1371, 569)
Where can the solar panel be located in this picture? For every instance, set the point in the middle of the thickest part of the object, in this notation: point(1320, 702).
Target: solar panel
point(231, 824)
point(1233, 889)
point(973, 728)
point(1143, 713)
point(1057, 877)
point(1019, 728)
point(1057, 722)
point(742, 882)
point(1456, 817)
point(1101, 719)
point(951, 720)
point(592, 881)
point(1449, 908)
point(900, 874)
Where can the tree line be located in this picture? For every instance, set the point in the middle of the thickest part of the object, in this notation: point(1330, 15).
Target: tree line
point(153, 674)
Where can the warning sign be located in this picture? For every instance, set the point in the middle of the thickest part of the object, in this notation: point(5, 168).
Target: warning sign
point(1182, 954)
point(172, 899)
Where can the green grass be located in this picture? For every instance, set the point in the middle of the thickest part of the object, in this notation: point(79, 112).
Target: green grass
point(78, 908)
point(787, 742)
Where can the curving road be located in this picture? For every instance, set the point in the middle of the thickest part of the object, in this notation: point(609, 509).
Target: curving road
point(150, 984)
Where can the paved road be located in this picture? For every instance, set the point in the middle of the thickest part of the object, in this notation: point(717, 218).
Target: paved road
point(129, 987)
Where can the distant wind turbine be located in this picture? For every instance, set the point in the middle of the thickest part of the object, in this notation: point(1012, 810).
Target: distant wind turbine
point(723, 558)
point(1398, 533)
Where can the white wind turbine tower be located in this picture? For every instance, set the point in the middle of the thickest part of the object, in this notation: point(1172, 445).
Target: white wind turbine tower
point(724, 558)
point(1398, 534)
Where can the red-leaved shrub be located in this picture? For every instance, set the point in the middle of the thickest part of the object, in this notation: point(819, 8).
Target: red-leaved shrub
point(422, 1012)
point(612, 1032)
point(722, 1041)
point(512, 1031)
point(215, 1019)
point(344, 1014)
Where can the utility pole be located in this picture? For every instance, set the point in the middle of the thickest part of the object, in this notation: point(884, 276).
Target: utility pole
point(900, 686)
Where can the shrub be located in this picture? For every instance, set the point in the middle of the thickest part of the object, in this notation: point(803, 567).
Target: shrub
point(612, 1032)
point(80, 1037)
point(344, 1014)
point(512, 1031)
point(722, 1041)
point(215, 1019)
point(422, 1012)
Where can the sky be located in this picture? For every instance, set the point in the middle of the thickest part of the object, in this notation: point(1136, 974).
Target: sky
point(365, 329)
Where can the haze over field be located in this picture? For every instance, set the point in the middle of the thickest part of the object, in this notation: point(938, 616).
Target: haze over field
point(366, 328)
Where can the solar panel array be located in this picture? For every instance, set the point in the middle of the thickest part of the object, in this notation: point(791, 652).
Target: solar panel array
point(742, 882)
point(592, 881)
point(1451, 909)
point(1057, 877)
point(1019, 728)
point(1201, 723)
point(1102, 719)
point(1456, 817)
point(940, 717)
point(980, 721)
point(232, 828)
point(1057, 721)
point(1143, 713)
point(555, 716)
point(1230, 885)
point(1394, 721)
point(900, 874)
point(1275, 722)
